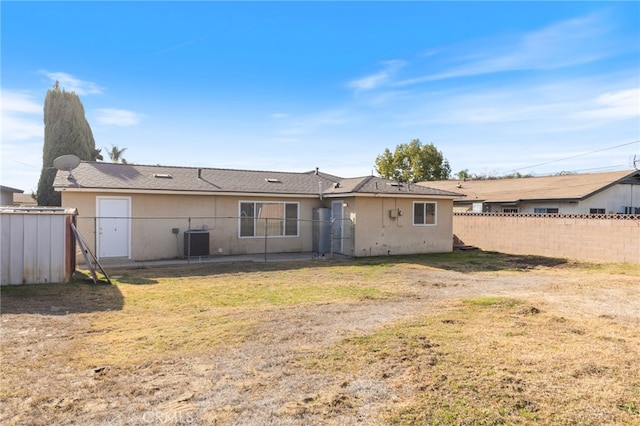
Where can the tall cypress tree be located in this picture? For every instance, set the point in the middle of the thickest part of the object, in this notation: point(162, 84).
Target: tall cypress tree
point(66, 131)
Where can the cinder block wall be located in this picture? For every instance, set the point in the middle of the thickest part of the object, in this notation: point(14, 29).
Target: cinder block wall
point(603, 238)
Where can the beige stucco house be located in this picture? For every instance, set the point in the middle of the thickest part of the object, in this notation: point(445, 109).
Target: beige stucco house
point(7, 195)
point(145, 212)
point(589, 193)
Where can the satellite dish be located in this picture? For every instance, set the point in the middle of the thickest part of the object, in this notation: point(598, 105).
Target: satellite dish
point(67, 162)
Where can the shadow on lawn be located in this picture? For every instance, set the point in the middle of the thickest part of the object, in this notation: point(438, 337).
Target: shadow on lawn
point(79, 296)
point(475, 261)
point(460, 261)
point(150, 274)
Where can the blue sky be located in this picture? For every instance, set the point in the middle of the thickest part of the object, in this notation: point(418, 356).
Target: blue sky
point(498, 87)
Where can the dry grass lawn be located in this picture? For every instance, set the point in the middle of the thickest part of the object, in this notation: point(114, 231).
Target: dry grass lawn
point(460, 338)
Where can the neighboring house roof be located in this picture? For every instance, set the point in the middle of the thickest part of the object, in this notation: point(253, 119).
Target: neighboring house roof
point(574, 187)
point(98, 176)
point(9, 189)
point(24, 200)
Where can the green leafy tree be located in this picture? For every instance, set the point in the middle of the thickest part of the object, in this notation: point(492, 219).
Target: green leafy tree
point(463, 174)
point(413, 162)
point(115, 154)
point(66, 131)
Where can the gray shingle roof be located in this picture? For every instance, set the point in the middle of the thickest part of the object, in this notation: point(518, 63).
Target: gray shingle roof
point(377, 185)
point(98, 175)
point(130, 177)
point(9, 189)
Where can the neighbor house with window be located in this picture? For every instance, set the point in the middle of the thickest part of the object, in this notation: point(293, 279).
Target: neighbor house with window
point(145, 212)
point(590, 193)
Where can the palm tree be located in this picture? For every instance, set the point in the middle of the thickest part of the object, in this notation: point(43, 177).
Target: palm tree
point(115, 154)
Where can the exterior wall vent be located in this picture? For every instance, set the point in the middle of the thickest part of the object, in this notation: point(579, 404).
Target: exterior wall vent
point(162, 176)
point(273, 180)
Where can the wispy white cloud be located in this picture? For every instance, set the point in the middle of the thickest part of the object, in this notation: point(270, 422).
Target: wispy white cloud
point(21, 116)
point(621, 104)
point(73, 84)
point(179, 46)
point(20, 101)
point(562, 44)
point(292, 131)
point(20, 128)
point(21, 163)
point(288, 141)
point(279, 115)
point(508, 126)
point(564, 105)
point(314, 122)
point(383, 98)
point(429, 52)
point(118, 117)
point(375, 80)
point(22, 134)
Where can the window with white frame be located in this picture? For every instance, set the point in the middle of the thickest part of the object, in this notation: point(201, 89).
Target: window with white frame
point(510, 210)
point(596, 211)
point(273, 219)
point(631, 210)
point(547, 210)
point(424, 213)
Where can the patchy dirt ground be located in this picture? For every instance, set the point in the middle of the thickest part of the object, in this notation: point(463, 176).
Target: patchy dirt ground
point(261, 381)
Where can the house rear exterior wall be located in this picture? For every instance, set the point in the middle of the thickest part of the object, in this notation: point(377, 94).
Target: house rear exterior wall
point(225, 239)
point(378, 234)
point(597, 238)
point(154, 217)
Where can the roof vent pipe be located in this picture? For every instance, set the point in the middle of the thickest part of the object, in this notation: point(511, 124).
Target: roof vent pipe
point(199, 173)
point(317, 170)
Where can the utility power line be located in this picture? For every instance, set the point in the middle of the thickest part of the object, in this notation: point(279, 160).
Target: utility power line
point(578, 155)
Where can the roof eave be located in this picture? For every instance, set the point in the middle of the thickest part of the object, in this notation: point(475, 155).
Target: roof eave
point(535, 200)
point(386, 195)
point(185, 192)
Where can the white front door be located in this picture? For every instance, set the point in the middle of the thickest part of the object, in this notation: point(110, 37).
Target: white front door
point(337, 226)
point(113, 227)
